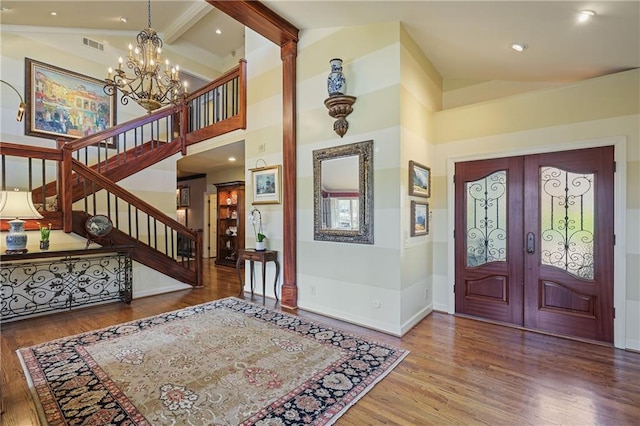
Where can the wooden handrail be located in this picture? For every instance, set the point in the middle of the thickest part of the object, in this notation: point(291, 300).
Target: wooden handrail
point(28, 151)
point(128, 197)
point(153, 255)
point(118, 129)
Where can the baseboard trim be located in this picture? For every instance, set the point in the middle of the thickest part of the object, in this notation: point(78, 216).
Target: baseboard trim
point(161, 290)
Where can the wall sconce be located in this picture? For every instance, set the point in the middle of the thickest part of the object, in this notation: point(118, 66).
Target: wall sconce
point(17, 205)
point(338, 104)
point(22, 106)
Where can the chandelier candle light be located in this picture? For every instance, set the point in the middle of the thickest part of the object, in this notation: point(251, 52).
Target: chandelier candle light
point(149, 86)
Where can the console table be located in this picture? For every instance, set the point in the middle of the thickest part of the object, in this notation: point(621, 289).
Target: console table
point(38, 282)
point(263, 256)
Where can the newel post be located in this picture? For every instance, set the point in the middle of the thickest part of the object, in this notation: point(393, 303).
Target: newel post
point(66, 188)
point(242, 93)
point(199, 262)
point(184, 126)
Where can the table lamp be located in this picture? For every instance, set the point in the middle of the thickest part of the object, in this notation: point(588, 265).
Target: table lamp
point(17, 205)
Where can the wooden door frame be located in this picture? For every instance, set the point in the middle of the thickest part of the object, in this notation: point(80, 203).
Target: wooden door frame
point(620, 205)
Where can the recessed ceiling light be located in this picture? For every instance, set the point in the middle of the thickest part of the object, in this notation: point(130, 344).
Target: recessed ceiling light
point(232, 158)
point(218, 31)
point(519, 47)
point(585, 15)
point(123, 19)
point(52, 13)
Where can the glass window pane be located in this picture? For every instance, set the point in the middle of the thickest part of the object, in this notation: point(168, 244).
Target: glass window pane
point(487, 219)
point(567, 221)
point(344, 213)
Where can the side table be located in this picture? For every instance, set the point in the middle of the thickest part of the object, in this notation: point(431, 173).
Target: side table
point(263, 256)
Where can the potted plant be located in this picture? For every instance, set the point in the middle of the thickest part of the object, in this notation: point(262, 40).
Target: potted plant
point(255, 217)
point(45, 232)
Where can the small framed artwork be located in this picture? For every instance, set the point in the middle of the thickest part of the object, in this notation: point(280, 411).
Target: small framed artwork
point(65, 104)
point(185, 196)
point(419, 180)
point(419, 218)
point(266, 184)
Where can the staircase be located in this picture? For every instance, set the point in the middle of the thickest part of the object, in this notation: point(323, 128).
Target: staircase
point(88, 169)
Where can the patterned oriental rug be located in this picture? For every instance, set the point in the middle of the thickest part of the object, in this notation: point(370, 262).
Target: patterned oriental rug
point(227, 362)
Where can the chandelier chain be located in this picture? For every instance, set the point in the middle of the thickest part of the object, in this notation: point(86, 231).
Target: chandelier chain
point(149, 13)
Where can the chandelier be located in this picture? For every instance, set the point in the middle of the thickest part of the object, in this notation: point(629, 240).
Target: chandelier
point(148, 85)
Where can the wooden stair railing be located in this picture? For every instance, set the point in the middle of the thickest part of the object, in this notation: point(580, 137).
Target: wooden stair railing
point(118, 152)
point(181, 261)
point(219, 109)
point(160, 241)
point(145, 155)
point(127, 148)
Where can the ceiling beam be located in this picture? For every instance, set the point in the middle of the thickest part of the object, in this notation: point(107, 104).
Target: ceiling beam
point(259, 18)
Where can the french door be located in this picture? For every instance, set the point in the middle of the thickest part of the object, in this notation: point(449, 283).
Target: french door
point(534, 241)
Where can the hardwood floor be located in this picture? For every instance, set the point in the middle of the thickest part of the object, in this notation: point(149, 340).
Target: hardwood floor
point(459, 371)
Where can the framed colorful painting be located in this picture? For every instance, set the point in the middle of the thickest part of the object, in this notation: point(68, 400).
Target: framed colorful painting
point(65, 104)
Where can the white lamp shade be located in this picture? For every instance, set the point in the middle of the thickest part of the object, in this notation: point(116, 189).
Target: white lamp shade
point(17, 205)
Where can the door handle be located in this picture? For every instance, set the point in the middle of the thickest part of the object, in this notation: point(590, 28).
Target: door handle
point(531, 243)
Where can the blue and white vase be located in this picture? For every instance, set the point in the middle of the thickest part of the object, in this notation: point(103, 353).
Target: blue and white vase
point(336, 83)
point(16, 238)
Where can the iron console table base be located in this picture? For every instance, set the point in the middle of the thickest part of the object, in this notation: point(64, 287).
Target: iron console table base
point(39, 282)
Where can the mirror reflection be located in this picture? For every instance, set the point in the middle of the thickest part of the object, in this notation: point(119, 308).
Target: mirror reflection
point(340, 193)
point(343, 193)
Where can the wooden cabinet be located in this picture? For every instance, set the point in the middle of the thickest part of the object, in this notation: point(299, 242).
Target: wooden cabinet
point(230, 222)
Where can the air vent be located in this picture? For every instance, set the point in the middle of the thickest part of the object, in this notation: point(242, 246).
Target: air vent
point(93, 44)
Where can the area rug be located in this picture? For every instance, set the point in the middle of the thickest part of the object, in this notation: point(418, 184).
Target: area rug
point(227, 362)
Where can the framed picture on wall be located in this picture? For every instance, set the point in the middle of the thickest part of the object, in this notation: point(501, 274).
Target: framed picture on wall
point(419, 180)
point(65, 104)
point(185, 196)
point(266, 184)
point(419, 218)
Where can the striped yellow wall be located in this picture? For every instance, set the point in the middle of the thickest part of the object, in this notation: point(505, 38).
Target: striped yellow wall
point(582, 114)
point(360, 283)
point(420, 98)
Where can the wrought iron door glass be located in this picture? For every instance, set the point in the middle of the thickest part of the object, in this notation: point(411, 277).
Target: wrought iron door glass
point(487, 219)
point(567, 221)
